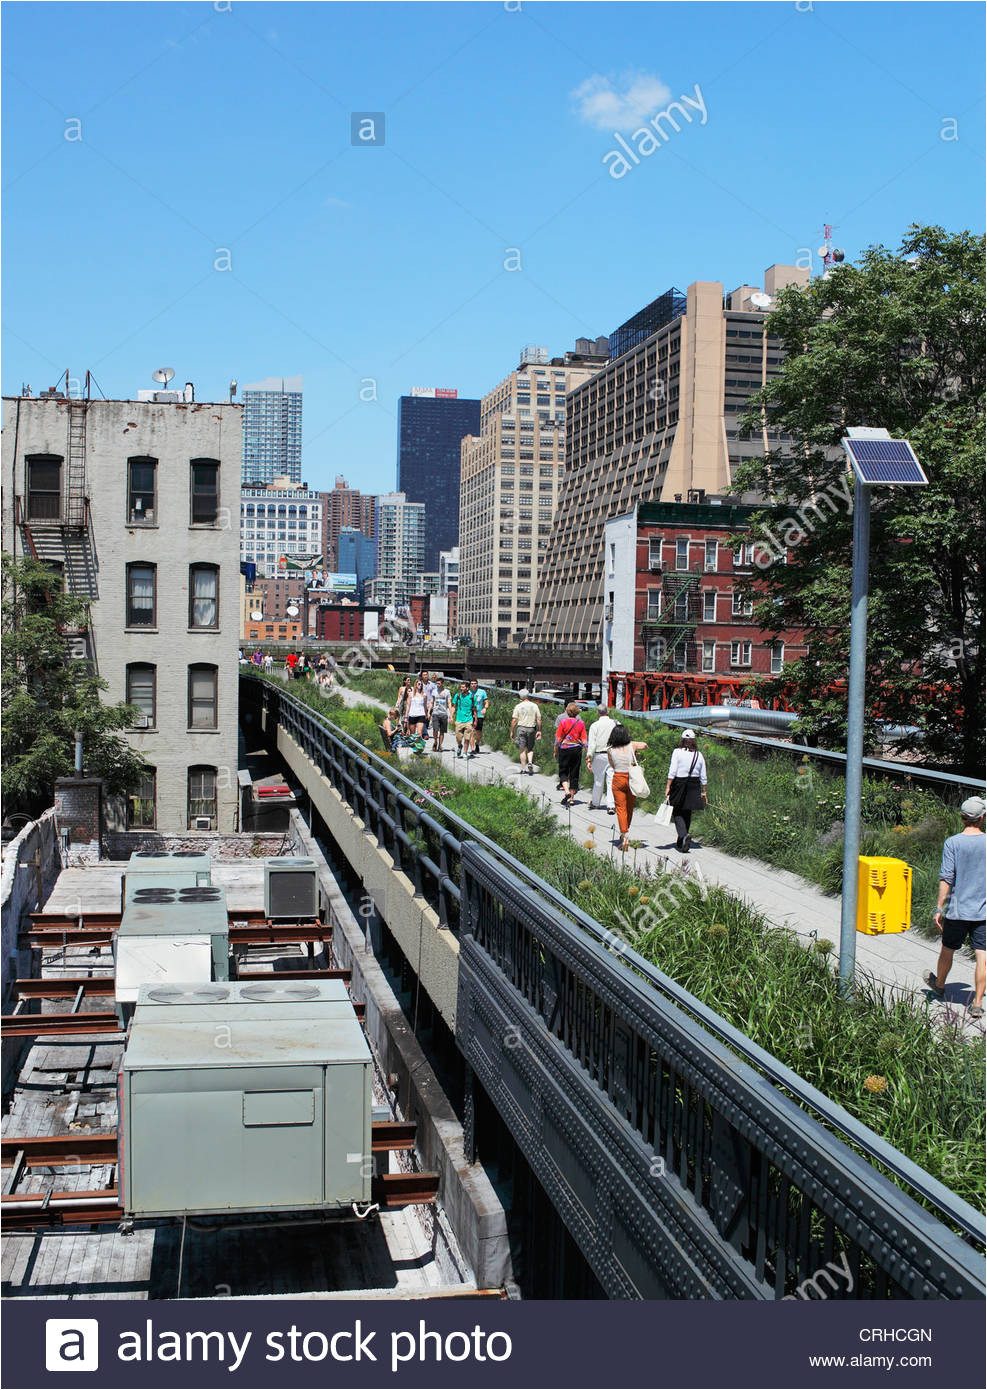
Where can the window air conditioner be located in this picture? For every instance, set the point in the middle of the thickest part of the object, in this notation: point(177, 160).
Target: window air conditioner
point(143, 721)
point(202, 823)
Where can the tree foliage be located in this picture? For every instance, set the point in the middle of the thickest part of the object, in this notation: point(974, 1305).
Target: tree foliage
point(47, 696)
point(896, 341)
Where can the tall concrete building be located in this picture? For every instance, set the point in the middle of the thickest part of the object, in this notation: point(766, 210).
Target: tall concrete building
point(658, 424)
point(345, 508)
point(280, 520)
point(136, 503)
point(356, 553)
point(400, 550)
point(431, 423)
point(272, 430)
point(511, 475)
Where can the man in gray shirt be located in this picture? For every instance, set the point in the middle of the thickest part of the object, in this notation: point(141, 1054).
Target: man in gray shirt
point(963, 880)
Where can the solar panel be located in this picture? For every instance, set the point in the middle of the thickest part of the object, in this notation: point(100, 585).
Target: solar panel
point(885, 461)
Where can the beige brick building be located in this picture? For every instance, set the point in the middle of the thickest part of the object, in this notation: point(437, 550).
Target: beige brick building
point(137, 503)
point(509, 489)
point(659, 423)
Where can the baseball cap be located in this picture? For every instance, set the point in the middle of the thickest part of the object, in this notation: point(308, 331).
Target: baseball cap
point(973, 807)
point(688, 733)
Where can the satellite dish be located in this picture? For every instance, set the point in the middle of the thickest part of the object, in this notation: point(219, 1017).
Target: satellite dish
point(822, 251)
point(761, 300)
point(163, 375)
point(256, 617)
point(292, 610)
point(838, 256)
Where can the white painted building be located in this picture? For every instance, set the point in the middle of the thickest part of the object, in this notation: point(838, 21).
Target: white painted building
point(619, 580)
point(138, 504)
point(282, 519)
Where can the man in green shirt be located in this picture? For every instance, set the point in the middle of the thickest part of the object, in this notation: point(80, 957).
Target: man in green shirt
point(463, 712)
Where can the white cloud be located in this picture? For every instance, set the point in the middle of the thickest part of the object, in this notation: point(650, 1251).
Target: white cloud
point(335, 203)
point(622, 103)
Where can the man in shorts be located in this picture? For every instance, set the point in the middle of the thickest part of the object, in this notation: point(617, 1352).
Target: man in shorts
point(962, 881)
point(463, 711)
point(525, 728)
point(440, 715)
point(479, 710)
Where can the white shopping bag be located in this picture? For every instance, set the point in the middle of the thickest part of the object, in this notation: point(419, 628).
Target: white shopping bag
point(663, 816)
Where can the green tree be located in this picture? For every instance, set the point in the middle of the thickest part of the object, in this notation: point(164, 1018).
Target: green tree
point(895, 341)
point(47, 696)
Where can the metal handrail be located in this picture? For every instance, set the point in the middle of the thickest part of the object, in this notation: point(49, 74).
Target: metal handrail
point(946, 1203)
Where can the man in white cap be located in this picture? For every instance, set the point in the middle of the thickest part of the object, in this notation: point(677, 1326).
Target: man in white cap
point(963, 881)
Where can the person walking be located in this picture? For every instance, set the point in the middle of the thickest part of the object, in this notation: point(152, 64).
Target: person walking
point(440, 715)
point(430, 689)
point(598, 762)
point(622, 753)
point(570, 746)
point(401, 703)
point(463, 710)
point(416, 710)
point(268, 662)
point(525, 728)
point(685, 789)
point(480, 698)
point(962, 875)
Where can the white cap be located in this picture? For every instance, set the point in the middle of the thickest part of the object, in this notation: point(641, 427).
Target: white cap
point(689, 733)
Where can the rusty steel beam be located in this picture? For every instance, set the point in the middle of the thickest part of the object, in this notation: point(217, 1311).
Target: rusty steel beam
point(64, 986)
point(55, 1150)
point(58, 1025)
point(250, 977)
point(386, 1135)
point(46, 938)
point(31, 1211)
point(405, 1189)
point(278, 933)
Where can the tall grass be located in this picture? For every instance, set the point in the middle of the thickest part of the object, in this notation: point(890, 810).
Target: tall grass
point(917, 1083)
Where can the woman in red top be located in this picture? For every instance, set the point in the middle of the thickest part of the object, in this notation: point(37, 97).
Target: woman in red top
point(570, 749)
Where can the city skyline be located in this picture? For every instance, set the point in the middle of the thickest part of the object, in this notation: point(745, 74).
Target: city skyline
point(371, 270)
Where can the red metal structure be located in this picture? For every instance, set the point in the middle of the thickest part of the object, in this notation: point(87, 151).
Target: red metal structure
point(644, 690)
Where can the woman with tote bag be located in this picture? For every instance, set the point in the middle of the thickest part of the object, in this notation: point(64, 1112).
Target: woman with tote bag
point(622, 752)
point(685, 790)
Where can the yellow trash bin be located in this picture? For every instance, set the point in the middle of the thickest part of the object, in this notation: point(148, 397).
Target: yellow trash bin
point(884, 895)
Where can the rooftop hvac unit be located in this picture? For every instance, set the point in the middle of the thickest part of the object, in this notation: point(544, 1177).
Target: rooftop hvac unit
point(168, 933)
point(291, 889)
point(277, 1119)
point(182, 868)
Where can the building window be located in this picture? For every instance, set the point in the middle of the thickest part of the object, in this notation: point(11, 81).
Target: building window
point(682, 553)
point(141, 477)
point(709, 656)
point(743, 556)
point(655, 655)
point(205, 492)
point(777, 657)
point(203, 687)
point(709, 606)
point(44, 488)
point(740, 653)
point(141, 803)
point(201, 794)
point(681, 607)
point(141, 691)
point(741, 605)
point(710, 560)
point(203, 596)
point(141, 595)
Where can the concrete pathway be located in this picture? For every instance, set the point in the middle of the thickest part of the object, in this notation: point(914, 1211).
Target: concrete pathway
point(898, 962)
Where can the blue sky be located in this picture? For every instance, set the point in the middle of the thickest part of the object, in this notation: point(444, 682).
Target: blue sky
point(148, 146)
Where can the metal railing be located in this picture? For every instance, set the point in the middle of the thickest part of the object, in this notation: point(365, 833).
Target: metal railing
point(807, 1176)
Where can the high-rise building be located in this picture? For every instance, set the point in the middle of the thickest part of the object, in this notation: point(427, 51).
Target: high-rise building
point(511, 474)
point(400, 550)
point(448, 569)
point(356, 554)
point(280, 521)
point(345, 507)
point(130, 501)
point(272, 430)
point(659, 423)
point(431, 423)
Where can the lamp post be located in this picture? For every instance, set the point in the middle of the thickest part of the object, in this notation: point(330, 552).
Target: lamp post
point(877, 459)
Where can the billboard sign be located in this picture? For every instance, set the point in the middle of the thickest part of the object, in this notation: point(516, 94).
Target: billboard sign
point(326, 582)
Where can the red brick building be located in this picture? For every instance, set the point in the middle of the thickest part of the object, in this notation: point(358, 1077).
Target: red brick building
point(347, 622)
point(676, 596)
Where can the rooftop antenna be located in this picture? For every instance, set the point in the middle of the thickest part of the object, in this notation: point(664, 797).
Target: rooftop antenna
point(830, 254)
point(163, 375)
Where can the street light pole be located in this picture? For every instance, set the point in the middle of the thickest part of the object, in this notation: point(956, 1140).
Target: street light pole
point(855, 731)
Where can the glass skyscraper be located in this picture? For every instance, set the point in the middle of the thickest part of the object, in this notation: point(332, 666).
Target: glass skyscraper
point(431, 424)
point(272, 430)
